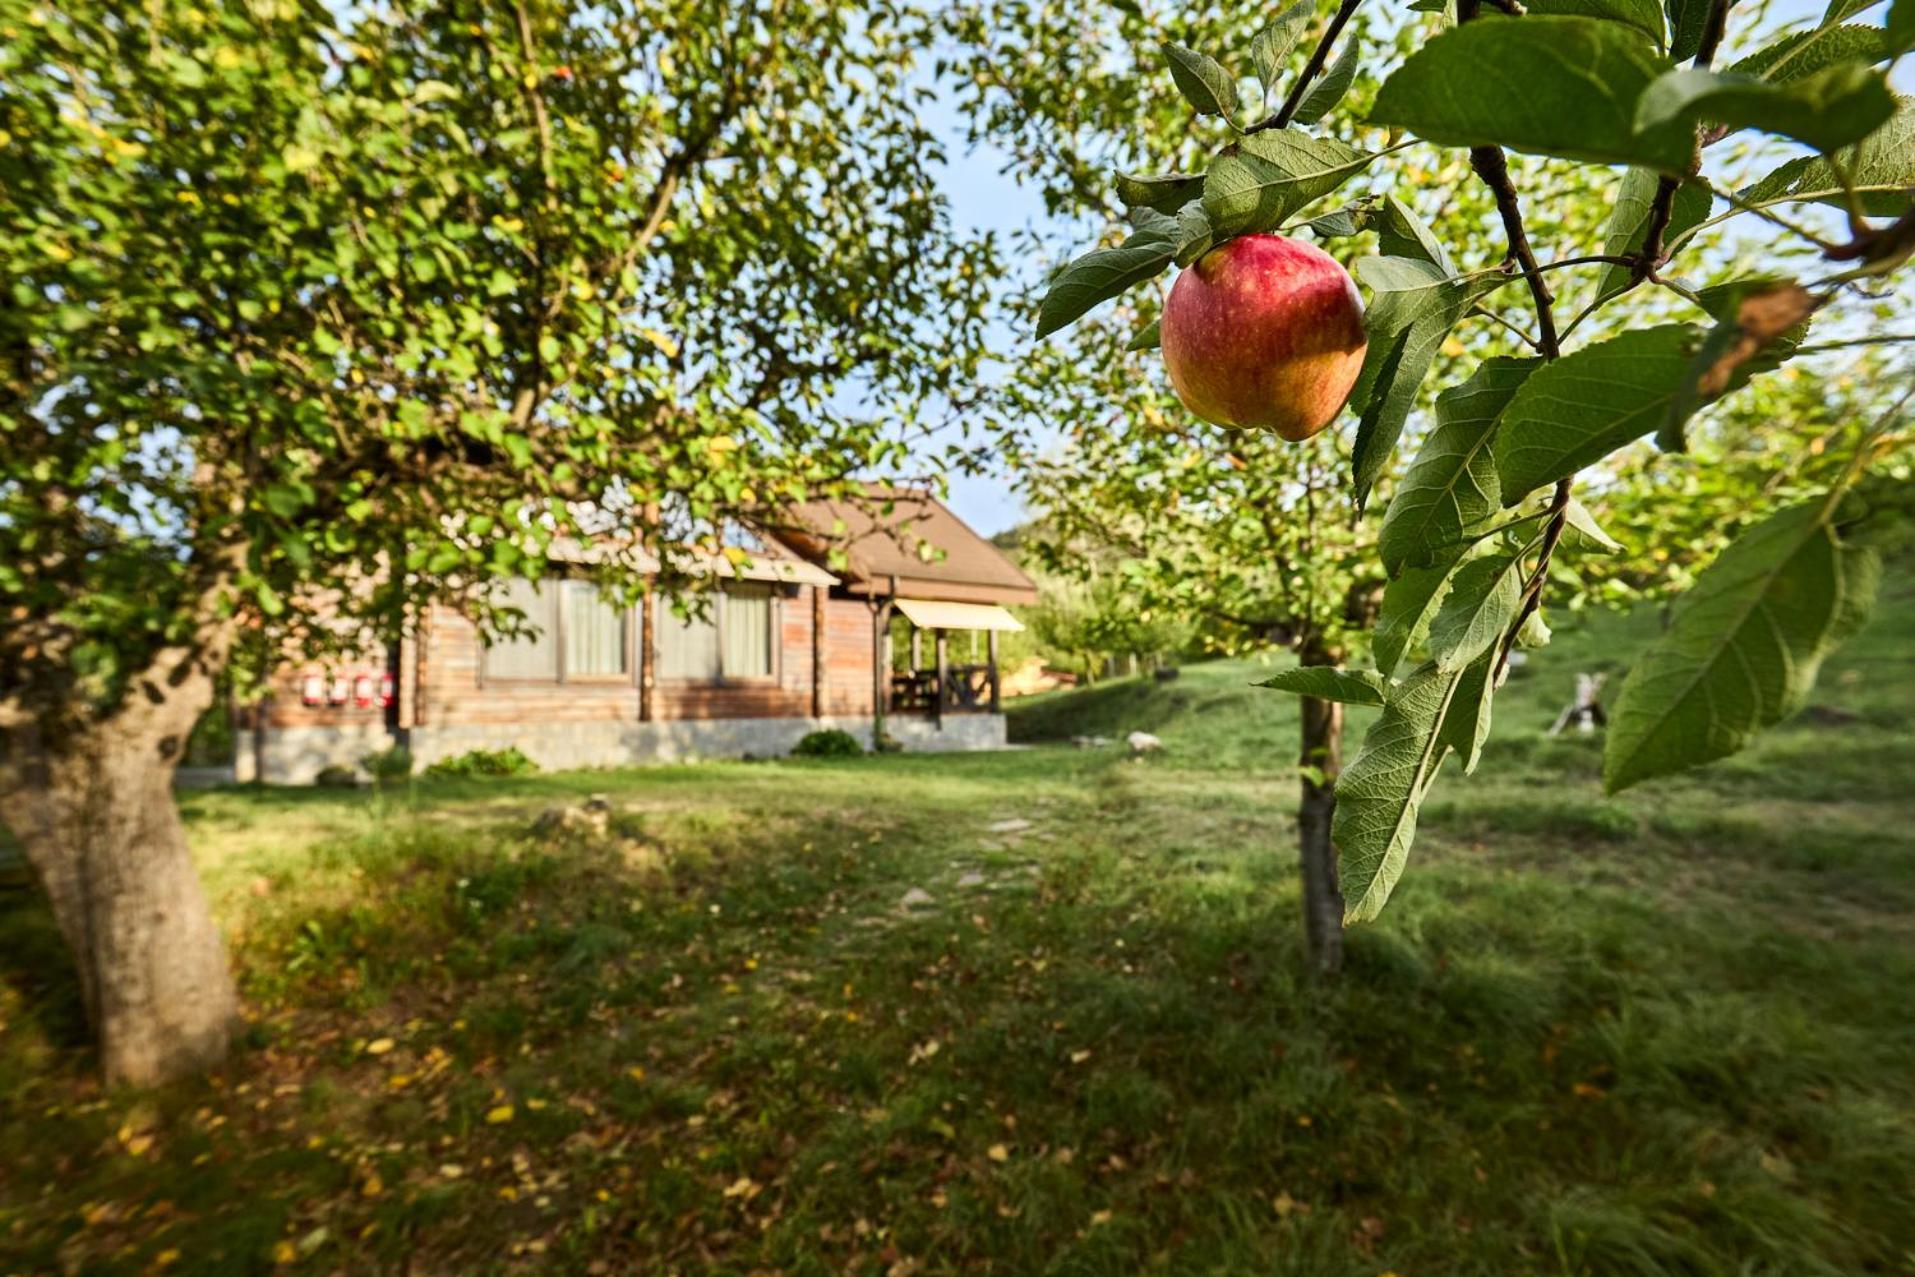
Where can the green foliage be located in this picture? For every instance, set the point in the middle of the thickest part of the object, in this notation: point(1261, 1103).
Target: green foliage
point(1415, 304)
point(1202, 80)
point(1743, 648)
point(1098, 276)
point(1351, 687)
point(510, 761)
point(1271, 176)
point(1483, 528)
point(1453, 483)
point(1832, 108)
point(1381, 791)
point(831, 742)
point(450, 282)
point(1587, 404)
point(388, 766)
point(1564, 86)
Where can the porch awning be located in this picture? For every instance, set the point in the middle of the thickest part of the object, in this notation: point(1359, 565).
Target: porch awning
point(936, 614)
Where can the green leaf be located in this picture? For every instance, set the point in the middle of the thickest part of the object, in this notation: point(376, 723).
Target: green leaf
point(1827, 110)
point(1584, 406)
point(1327, 92)
point(1202, 80)
point(1564, 86)
point(1482, 601)
point(1414, 308)
point(1165, 192)
point(1629, 222)
point(1452, 484)
point(1194, 236)
point(1466, 726)
point(1901, 27)
point(1409, 602)
point(1584, 532)
point(1839, 10)
point(1687, 18)
point(1271, 47)
point(1351, 219)
point(1401, 233)
point(1147, 337)
point(1643, 15)
point(1098, 276)
point(1881, 166)
point(1272, 175)
point(1327, 682)
point(1806, 52)
point(1743, 647)
point(1381, 791)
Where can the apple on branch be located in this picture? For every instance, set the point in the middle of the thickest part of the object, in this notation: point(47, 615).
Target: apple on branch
point(1264, 333)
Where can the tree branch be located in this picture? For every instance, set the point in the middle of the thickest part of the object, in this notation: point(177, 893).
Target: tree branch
point(1662, 206)
point(1318, 56)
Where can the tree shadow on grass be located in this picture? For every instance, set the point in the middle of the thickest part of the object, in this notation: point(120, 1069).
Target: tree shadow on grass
point(34, 960)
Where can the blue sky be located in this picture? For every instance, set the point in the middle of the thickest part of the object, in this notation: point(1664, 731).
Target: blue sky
point(983, 198)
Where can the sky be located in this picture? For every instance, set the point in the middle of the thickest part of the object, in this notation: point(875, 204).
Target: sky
point(984, 198)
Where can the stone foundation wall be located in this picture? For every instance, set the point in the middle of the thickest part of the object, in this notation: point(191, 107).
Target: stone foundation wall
point(296, 755)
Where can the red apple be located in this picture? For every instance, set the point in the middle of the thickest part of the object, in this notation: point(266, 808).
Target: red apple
point(1264, 333)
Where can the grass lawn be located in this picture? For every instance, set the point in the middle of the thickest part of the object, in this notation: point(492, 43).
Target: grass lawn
point(1672, 1032)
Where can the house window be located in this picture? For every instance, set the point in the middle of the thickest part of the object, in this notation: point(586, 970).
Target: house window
point(747, 632)
point(535, 655)
point(579, 634)
point(595, 644)
point(732, 640)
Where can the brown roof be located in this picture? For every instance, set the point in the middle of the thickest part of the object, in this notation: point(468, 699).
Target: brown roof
point(904, 542)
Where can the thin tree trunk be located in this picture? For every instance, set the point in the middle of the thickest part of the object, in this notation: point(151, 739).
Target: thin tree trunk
point(1321, 759)
point(94, 812)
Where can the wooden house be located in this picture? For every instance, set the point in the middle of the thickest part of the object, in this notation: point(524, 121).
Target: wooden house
point(787, 646)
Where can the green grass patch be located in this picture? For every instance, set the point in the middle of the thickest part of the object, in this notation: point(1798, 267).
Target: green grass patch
point(1664, 1032)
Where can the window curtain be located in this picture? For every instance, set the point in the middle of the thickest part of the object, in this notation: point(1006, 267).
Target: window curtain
point(594, 633)
point(687, 646)
point(535, 656)
point(748, 633)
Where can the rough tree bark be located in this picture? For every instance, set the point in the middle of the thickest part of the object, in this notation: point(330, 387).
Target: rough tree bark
point(1321, 759)
point(91, 804)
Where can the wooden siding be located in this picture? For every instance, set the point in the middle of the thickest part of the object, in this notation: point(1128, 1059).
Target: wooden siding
point(442, 683)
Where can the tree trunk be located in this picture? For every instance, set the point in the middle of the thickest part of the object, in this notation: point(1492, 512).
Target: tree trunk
point(1321, 759)
point(95, 814)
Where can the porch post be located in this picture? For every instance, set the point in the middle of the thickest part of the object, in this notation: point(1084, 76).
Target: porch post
point(944, 675)
point(996, 681)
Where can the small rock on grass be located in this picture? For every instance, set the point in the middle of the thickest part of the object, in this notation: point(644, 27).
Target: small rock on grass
point(917, 898)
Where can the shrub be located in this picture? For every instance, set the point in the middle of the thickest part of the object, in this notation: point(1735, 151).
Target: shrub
point(388, 766)
point(829, 743)
point(337, 776)
point(485, 762)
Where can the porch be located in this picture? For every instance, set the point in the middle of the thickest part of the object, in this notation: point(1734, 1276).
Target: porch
point(941, 686)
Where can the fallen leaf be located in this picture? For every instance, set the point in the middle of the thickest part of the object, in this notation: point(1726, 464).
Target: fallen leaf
point(499, 1115)
point(379, 1046)
point(998, 1153)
